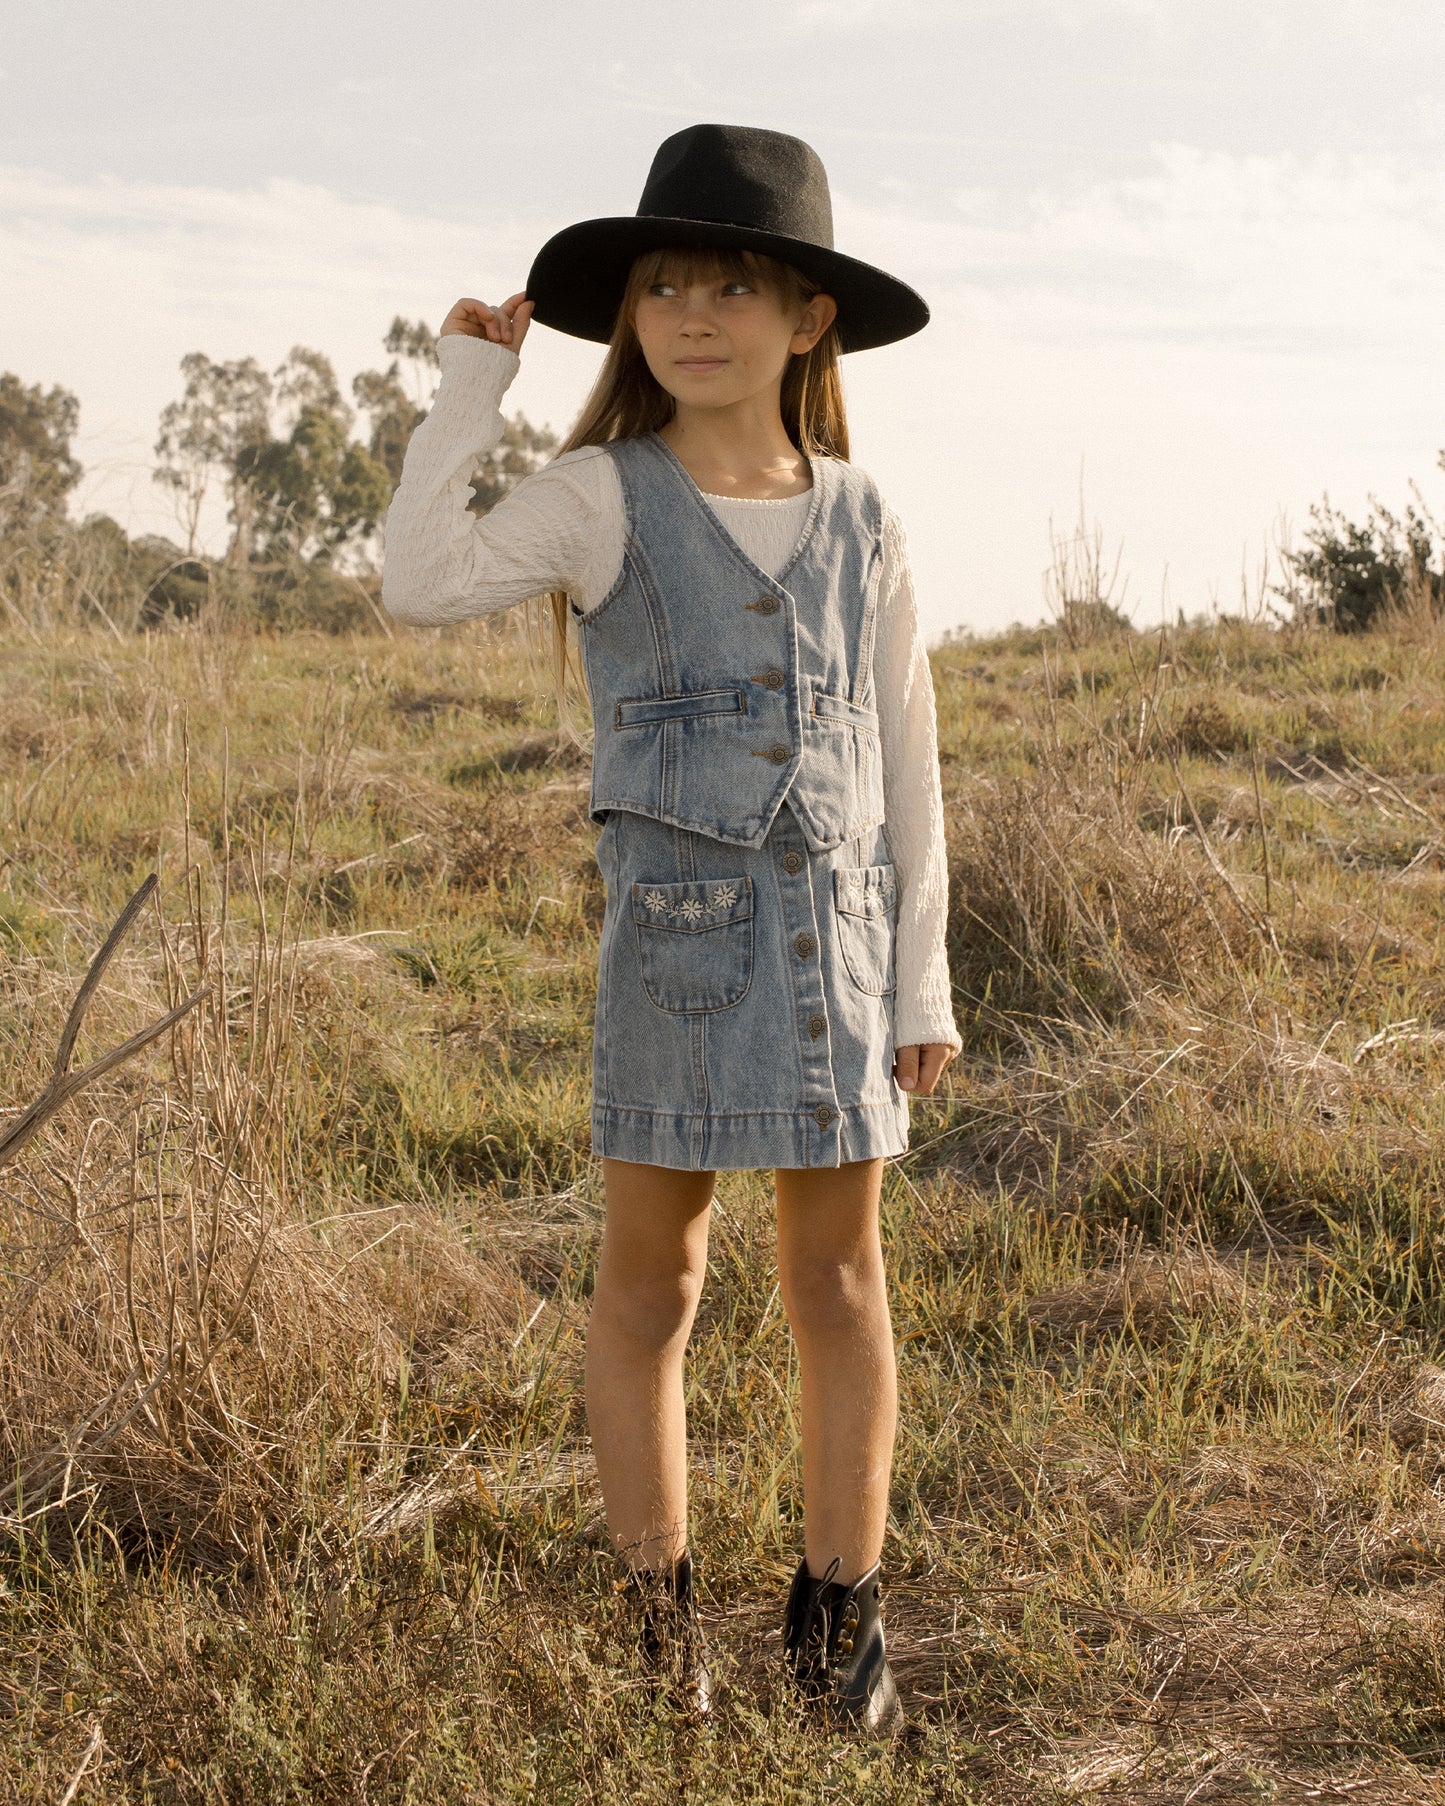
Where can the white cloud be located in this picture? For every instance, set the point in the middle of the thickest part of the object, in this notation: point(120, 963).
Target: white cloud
point(1327, 254)
point(909, 15)
point(1242, 20)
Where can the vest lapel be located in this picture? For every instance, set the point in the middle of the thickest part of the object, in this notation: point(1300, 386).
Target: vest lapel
point(679, 471)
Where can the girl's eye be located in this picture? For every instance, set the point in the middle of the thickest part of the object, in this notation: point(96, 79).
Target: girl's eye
point(668, 290)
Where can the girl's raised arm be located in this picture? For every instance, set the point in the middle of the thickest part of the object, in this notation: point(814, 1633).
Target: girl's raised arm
point(442, 563)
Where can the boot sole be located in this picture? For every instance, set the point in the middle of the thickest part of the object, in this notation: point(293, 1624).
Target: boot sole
point(884, 1714)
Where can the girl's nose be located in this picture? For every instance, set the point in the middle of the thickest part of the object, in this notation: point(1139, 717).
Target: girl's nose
point(698, 316)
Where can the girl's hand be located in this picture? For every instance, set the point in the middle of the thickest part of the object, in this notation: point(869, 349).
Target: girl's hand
point(504, 325)
point(918, 1068)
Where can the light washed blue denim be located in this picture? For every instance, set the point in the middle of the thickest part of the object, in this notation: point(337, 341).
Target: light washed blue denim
point(718, 690)
point(745, 978)
point(744, 999)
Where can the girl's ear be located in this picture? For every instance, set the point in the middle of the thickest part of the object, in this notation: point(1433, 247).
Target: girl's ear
point(817, 316)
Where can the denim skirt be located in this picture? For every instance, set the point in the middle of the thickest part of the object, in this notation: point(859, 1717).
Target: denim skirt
point(744, 999)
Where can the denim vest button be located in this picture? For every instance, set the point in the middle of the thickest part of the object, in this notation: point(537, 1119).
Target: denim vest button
point(766, 605)
point(780, 754)
point(822, 1116)
point(774, 679)
point(792, 860)
point(804, 945)
point(816, 1025)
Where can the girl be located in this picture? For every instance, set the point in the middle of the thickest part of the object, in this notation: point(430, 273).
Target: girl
point(772, 976)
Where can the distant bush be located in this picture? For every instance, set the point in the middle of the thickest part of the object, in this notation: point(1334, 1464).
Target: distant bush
point(57, 573)
point(1350, 575)
point(296, 593)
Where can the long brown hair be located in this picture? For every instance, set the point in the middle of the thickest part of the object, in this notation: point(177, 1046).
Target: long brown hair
point(627, 400)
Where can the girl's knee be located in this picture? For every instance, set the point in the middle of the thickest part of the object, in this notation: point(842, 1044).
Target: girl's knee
point(652, 1310)
point(824, 1292)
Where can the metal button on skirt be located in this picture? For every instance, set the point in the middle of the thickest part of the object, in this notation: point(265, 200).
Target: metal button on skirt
point(744, 999)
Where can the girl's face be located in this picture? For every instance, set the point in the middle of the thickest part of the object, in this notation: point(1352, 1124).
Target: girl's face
point(714, 338)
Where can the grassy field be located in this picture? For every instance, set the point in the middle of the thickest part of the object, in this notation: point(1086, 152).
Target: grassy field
point(297, 1501)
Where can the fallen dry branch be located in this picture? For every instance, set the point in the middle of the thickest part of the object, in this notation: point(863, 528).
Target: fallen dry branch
point(65, 1084)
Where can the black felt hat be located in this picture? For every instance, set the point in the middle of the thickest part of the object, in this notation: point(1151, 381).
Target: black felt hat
point(727, 185)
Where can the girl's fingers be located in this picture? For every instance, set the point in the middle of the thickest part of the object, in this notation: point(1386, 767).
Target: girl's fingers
point(513, 334)
point(504, 325)
point(919, 1068)
point(470, 316)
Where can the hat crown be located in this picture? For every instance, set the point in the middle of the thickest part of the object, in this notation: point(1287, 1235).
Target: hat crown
point(741, 175)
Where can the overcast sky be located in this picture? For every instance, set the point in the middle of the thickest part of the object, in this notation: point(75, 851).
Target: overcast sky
point(1191, 252)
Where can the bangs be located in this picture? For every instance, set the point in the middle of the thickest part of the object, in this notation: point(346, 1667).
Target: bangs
point(685, 264)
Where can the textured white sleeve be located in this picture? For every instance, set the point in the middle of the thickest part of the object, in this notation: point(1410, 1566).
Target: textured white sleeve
point(563, 527)
point(913, 804)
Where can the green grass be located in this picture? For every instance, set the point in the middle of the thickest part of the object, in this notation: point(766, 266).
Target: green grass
point(292, 1308)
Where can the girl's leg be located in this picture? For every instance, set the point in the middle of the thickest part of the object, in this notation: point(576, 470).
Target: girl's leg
point(830, 1266)
point(654, 1254)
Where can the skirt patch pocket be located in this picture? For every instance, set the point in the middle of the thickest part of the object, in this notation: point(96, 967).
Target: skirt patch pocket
point(695, 941)
point(865, 898)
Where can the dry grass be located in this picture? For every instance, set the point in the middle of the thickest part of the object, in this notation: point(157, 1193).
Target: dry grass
point(298, 1504)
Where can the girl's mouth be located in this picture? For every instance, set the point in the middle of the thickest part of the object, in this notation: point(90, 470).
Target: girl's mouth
point(701, 365)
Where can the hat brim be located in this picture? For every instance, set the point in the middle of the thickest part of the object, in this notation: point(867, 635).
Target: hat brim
point(579, 277)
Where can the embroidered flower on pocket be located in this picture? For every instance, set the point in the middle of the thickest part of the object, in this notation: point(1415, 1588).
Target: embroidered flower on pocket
point(867, 898)
point(692, 910)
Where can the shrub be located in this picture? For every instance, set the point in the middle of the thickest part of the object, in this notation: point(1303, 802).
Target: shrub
point(1349, 575)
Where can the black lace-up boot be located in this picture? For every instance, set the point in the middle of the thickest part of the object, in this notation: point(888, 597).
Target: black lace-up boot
point(833, 1646)
point(669, 1631)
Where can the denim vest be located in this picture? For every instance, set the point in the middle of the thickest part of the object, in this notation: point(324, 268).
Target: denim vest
point(717, 690)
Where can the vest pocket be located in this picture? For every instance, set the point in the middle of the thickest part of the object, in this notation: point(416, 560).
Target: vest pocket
point(695, 942)
point(839, 708)
point(865, 898)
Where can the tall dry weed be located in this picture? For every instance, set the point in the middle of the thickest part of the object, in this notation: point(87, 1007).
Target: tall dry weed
point(181, 1336)
point(1068, 902)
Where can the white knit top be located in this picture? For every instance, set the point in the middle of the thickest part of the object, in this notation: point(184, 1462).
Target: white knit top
point(564, 527)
